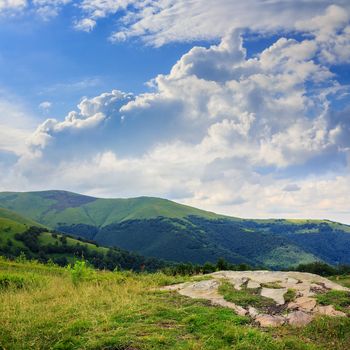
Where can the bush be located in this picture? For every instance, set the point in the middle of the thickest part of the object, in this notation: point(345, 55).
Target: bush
point(13, 281)
point(8, 281)
point(80, 272)
point(318, 268)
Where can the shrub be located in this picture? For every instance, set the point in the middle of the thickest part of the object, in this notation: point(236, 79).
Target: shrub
point(289, 295)
point(14, 281)
point(8, 281)
point(80, 272)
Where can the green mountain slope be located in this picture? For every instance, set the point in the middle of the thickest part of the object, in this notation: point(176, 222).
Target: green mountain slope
point(168, 230)
point(55, 207)
point(21, 235)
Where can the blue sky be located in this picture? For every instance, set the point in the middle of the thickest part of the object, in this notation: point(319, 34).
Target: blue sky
point(50, 60)
point(237, 107)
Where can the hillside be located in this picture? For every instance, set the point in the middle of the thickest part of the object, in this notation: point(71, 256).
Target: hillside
point(20, 235)
point(44, 307)
point(164, 229)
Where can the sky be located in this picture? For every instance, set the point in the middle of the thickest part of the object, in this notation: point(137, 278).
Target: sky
point(242, 108)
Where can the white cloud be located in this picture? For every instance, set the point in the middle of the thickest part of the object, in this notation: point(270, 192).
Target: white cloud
point(85, 24)
point(16, 126)
point(332, 33)
point(45, 106)
point(12, 5)
point(221, 131)
point(93, 10)
point(161, 21)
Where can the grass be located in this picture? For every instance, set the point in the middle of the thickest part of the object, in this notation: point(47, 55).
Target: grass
point(344, 280)
point(289, 295)
point(272, 285)
point(42, 206)
point(245, 297)
point(124, 311)
point(339, 299)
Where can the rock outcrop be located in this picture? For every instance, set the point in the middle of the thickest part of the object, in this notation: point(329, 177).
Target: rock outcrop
point(269, 284)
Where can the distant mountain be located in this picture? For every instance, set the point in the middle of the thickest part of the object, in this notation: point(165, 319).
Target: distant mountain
point(20, 235)
point(164, 229)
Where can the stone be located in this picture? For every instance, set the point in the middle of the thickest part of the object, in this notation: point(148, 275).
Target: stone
point(299, 318)
point(239, 310)
point(206, 285)
point(269, 321)
point(263, 276)
point(252, 312)
point(237, 282)
point(175, 287)
point(303, 308)
point(316, 287)
point(202, 290)
point(274, 294)
point(303, 303)
point(208, 290)
point(303, 289)
point(328, 310)
point(253, 285)
point(292, 281)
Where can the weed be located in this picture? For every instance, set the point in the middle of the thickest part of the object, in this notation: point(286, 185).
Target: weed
point(289, 295)
point(80, 272)
point(245, 297)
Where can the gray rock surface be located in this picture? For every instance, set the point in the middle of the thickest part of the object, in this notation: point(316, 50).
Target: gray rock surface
point(253, 285)
point(274, 294)
point(269, 320)
point(299, 318)
point(300, 311)
point(328, 310)
point(303, 303)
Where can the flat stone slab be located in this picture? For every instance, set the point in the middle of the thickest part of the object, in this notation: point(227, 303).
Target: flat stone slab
point(269, 320)
point(300, 311)
point(304, 303)
point(253, 285)
point(274, 294)
point(299, 318)
point(286, 279)
point(328, 310)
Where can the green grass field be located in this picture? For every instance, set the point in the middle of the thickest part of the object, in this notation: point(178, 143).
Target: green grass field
point(41, 308)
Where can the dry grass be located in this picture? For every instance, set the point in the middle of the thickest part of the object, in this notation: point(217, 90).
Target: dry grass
point(125, 311)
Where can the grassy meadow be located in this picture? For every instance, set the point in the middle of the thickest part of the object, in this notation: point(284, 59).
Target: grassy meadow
point(49, 307)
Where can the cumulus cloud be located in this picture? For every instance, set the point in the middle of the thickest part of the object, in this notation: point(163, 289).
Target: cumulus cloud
point(45, 106)
point(221, 130)
point(159, 22)
point(162, 21)
point(8, 5)
point(16, 126)
point(291, 188)
point(332, 33)
point(85, 24)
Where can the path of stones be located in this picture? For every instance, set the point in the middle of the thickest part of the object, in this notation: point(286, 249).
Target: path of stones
point(299, 312)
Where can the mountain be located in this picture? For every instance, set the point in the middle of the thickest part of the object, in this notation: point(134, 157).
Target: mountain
point(164, 229)
point(21, 235)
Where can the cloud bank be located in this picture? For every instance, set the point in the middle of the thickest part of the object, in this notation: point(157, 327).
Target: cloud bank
point(250, 136)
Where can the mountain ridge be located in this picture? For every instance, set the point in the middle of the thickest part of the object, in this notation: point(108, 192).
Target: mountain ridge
point(168, 230)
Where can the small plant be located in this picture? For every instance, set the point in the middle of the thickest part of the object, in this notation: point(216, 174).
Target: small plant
point(289, 295)
point(245, 297)
point(9, 281)
point(80, 272)
point(339, 299)
point(21, 258)
point(271, 285)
